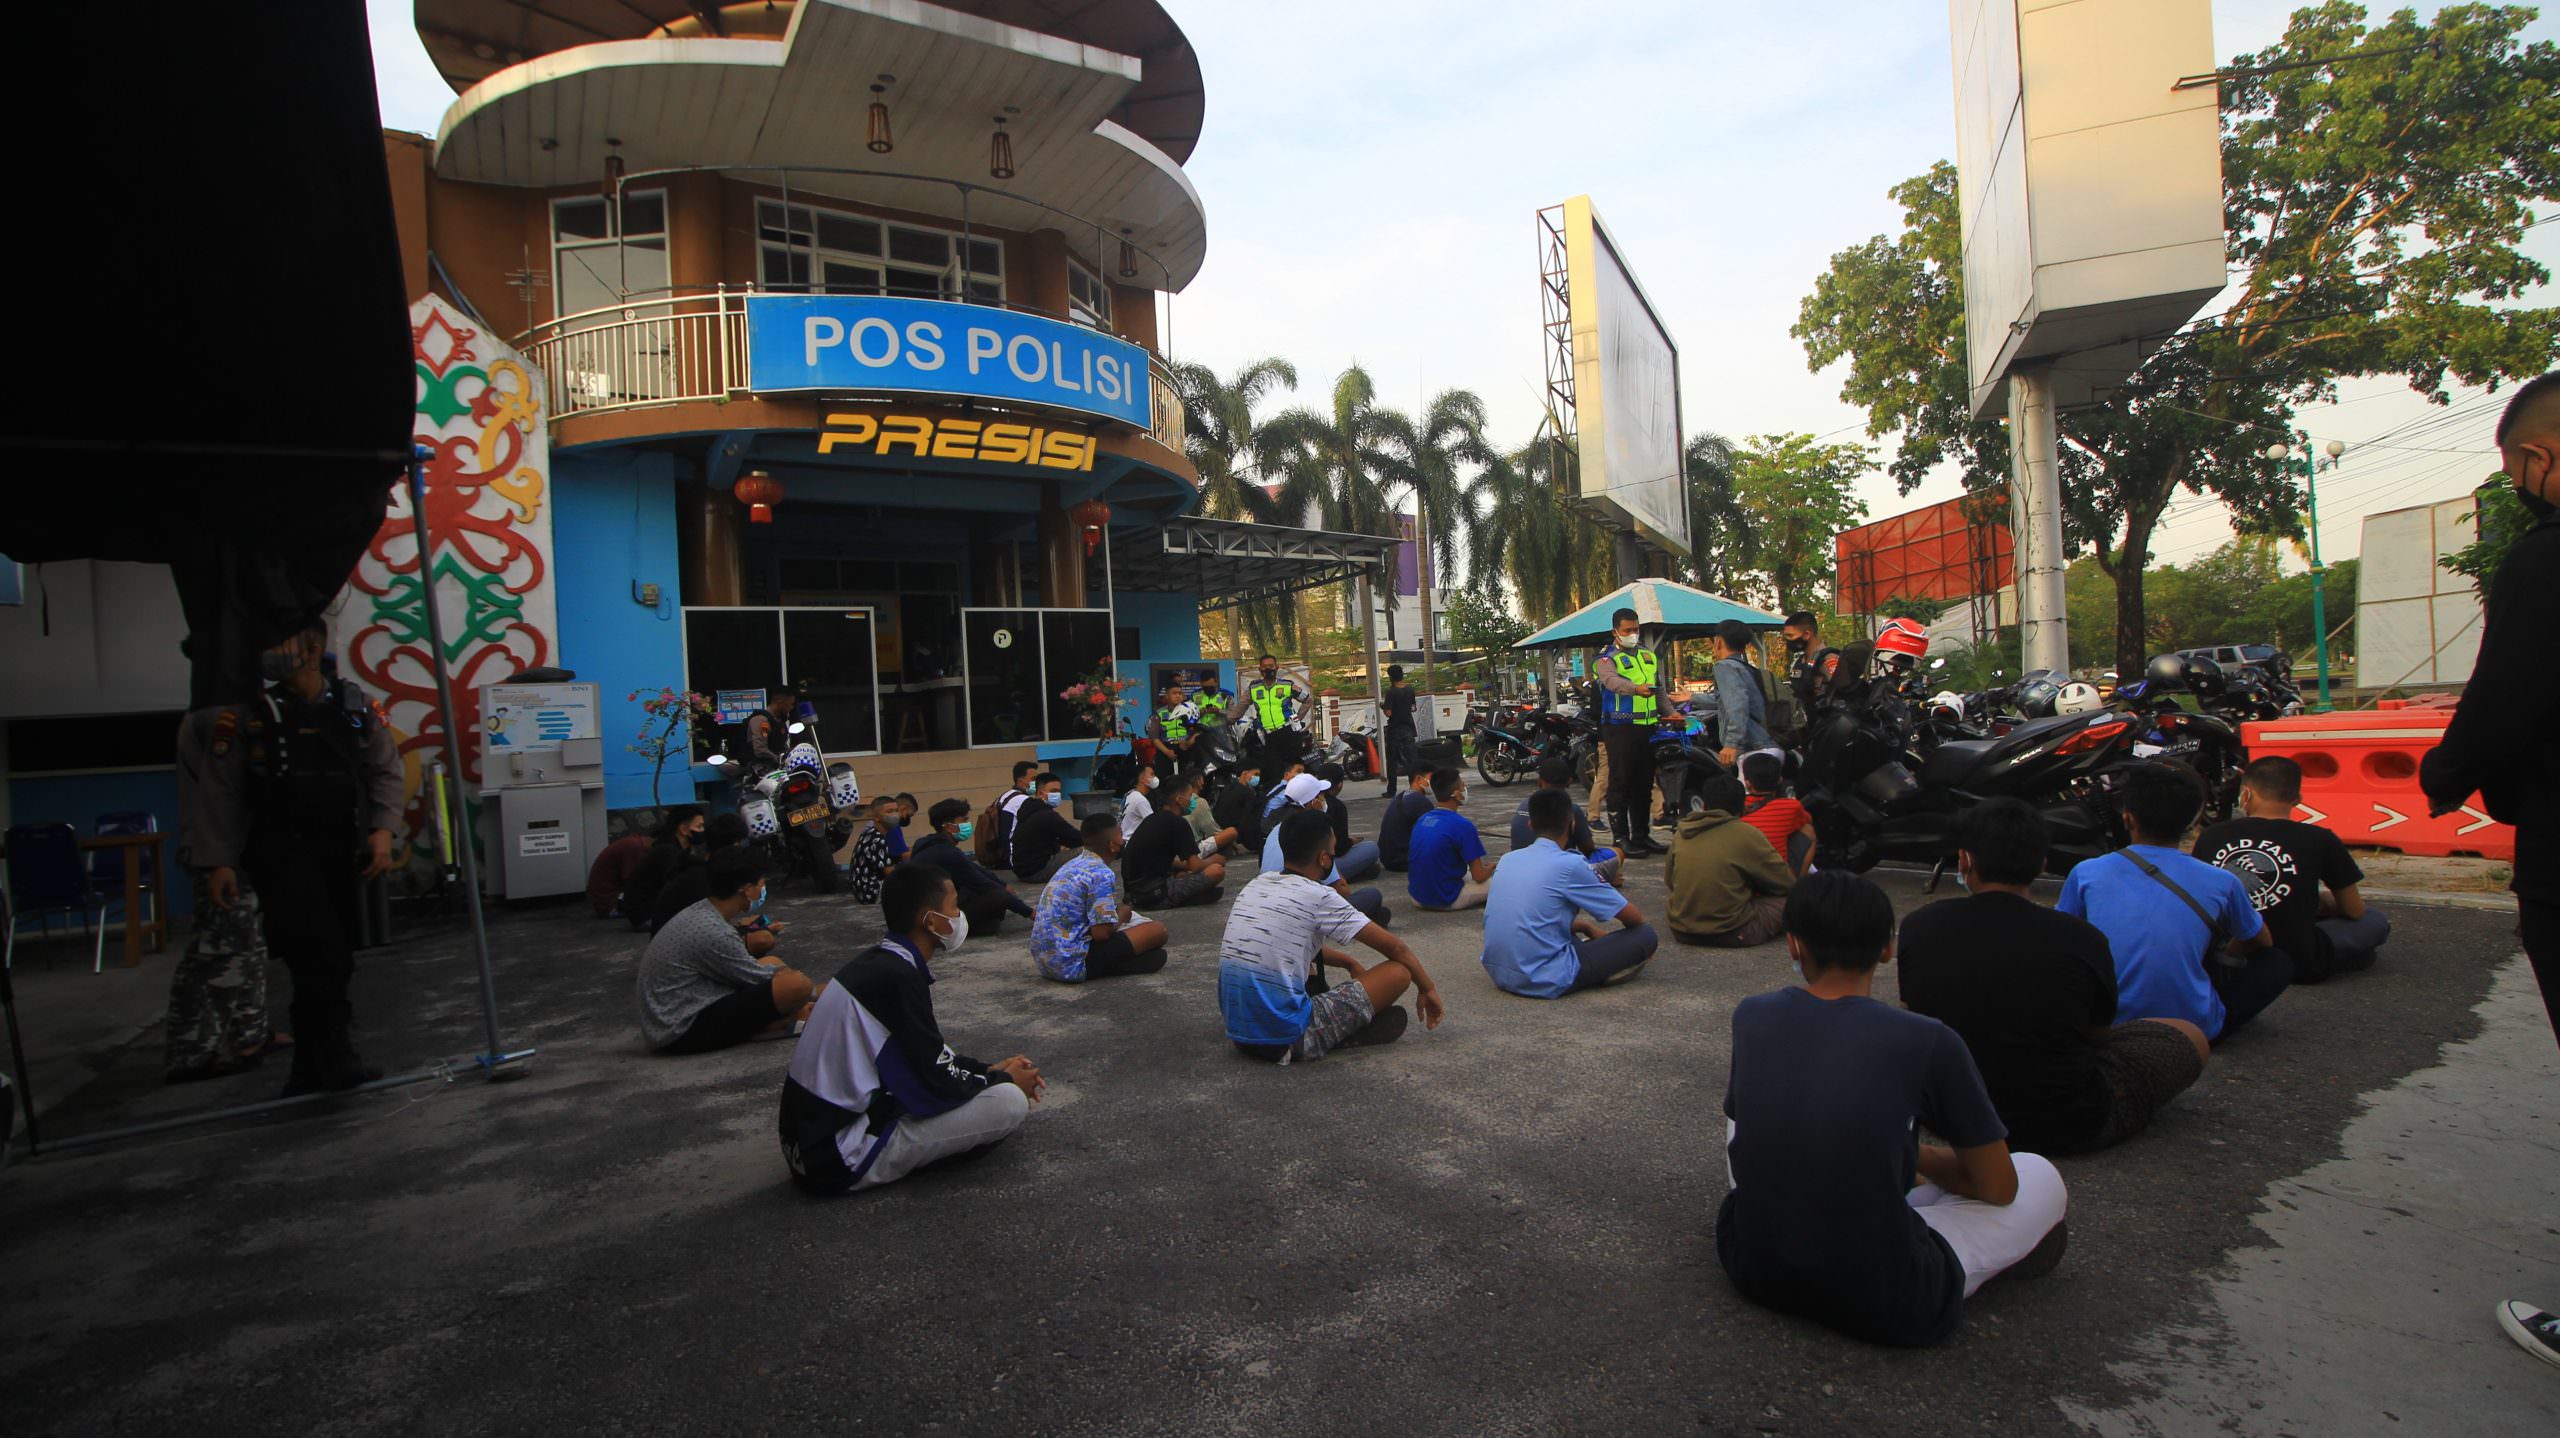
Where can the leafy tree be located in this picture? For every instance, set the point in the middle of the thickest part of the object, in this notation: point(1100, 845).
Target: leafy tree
point(1477, 621)
point(2374, 208)
point(2499, 522)
point(1925, 610)
point(1721, 547)
point(1798, 496)
point(1523, 533)
point(1228, 446)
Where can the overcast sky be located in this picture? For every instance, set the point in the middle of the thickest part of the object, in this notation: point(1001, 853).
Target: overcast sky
point(1372, 172)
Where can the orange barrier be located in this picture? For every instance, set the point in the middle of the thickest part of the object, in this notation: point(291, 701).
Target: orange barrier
point(2360, 780)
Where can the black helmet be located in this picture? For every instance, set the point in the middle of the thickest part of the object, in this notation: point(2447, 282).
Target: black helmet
point(2204, 678)
point(2036, 694)
point(2167, 671)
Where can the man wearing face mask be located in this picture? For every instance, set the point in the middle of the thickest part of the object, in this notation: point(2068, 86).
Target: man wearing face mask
point(302, 796)
point(1275, 703)
point(699, 988)
point(1043, 838)
point(1630, 707)
point(984, 899)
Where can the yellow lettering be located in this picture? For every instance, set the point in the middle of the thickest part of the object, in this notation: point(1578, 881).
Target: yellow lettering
point(1005, 444)
point(910, 430)
point(956, 439)
point(858, 429)
point(1063, 451)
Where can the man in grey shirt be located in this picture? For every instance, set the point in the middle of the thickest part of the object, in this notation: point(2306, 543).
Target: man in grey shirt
point(699, 988)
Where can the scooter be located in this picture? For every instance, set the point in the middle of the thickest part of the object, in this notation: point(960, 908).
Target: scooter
point(800, 814)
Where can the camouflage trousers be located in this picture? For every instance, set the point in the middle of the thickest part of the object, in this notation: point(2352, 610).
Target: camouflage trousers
point(218, 996)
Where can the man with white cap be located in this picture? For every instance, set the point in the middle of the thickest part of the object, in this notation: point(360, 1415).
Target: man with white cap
point(1306, 791)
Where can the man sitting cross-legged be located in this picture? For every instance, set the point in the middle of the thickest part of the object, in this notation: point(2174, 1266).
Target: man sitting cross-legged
point(874, 1091)
point(1164, 865)
point(699, 988)
point(1280, 925)
point(2170, 918)
point(1395, 831)
point(983, 897)
point(1450, 869)
point(1728, 887)
point(1044, 839)
point(1083, 931)
point(1557, 773)
point(2032, 993)
point(1837, 1211)
point(1542, 934)
point(2299, 876)
point(1306, 793)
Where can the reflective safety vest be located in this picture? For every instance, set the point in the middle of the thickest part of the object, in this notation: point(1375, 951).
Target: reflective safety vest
point(1212, 706)
point(1636, 666)
point(1271, 702)
point(1176, 722)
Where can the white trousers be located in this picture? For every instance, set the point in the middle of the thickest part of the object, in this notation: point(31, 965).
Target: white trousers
point(1990, 1237)
point(916, 1142)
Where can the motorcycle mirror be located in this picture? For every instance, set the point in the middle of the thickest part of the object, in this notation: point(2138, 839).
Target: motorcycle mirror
point(715, 760)
point(799, 728)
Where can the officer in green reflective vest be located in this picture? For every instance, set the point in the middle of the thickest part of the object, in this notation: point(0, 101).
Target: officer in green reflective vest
point(1172, 729)
point(1630, 709)
point(1274, 704)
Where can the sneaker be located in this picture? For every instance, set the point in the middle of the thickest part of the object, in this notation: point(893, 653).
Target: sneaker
point(2042, 1259)
point(2534, 1331)
point(1386, 1028)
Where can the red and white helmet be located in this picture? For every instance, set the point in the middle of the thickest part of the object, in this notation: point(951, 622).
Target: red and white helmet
point(1903, 639)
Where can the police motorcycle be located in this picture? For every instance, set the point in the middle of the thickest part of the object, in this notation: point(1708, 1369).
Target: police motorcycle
point(1875, 794)
point(798, 813)
point(2205, 738)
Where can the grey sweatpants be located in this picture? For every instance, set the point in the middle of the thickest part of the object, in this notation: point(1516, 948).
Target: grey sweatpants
point(916, 1142)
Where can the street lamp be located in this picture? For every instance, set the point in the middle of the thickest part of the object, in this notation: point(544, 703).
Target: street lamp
point(2282, 452)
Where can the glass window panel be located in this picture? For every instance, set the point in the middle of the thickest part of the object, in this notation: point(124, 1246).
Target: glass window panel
point(1078, 642)
point(847, 279)
point(847, 235)
point(641, 267)
point(919, 283)
point(831, 658)
point(1005, 705)
point(986, 257)
point(921, 578)
point(815, 576)
point(785, 267)
point(730, 649)
point(929, 632)
point(586, 279)
point(986, 293)
point(769, 222)
point(579, 219)
point(644, 213)
point(919, 247)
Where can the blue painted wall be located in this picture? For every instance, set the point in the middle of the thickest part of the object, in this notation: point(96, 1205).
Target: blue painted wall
point(1168, 628)
point(613, 525)
point(78, 800)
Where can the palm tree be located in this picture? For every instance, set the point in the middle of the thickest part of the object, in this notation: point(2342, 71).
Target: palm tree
point(1338, 464)
point(1430, 450)
point(1524, 531)
point(1228, 447)
point(1721, 540)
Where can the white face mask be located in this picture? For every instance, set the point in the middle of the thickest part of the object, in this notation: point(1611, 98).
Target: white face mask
point(1151, 781)
point(1626, 641)
point(959, 934)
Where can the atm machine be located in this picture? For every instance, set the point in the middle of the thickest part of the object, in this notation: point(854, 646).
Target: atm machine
point(542, 819)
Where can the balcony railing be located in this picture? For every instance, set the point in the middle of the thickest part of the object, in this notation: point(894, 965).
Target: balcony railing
point(681, 347)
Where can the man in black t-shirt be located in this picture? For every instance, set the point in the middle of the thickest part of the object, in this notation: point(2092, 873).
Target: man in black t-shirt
point(1162, 866)
point(1399, 737)
point(1556, 773)
point(2032, 992)
point(1239, 806)
point(2300, 877)
point(1837, 1211)
point(1395, 831)
point(1043, 839)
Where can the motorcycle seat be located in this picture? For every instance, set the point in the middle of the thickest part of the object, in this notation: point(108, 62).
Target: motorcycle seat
point(1956, 761)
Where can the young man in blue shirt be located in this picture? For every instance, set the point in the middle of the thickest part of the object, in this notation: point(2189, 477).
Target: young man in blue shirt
point(1449, 869)
point(1083, 930)
point(1555, 773)
point(2168, 916)
point(1542, 934)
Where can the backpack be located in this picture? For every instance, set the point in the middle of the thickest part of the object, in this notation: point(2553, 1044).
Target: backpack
point(982, 835)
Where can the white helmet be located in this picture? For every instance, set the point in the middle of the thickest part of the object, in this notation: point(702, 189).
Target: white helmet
point(2077, 698)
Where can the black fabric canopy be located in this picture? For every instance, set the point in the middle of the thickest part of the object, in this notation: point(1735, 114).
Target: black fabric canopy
point(213, 368)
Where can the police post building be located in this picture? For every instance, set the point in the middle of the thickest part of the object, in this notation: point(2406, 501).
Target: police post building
point(816, 344)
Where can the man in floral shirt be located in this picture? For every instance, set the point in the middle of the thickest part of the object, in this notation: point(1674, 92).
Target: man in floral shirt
point(1083, 931)
point(872, 860)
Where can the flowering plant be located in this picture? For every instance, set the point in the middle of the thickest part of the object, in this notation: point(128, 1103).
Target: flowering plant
point(669, 727)
point(1096, 698)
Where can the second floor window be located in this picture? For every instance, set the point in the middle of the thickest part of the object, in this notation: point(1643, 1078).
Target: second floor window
point(825, 252)
point(599, 259)
point(1088, 298)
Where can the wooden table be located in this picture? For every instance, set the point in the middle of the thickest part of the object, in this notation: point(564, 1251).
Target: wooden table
point(134, 846)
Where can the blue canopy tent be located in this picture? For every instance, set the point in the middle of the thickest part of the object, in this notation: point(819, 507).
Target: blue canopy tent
point(1664, 610)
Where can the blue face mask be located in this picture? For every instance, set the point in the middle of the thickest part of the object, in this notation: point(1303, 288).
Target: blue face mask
point(1053, 800)
point(966, 829)
point(762, 894)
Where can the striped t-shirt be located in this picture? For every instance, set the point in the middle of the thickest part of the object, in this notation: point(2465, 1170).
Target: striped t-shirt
point(1273, 931)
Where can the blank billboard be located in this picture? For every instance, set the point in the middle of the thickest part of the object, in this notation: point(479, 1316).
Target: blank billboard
point(1626, 376)
point(2417, 622)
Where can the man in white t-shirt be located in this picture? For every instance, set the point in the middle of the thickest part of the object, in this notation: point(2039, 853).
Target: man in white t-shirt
point(1138, 803)
point(1286, 921)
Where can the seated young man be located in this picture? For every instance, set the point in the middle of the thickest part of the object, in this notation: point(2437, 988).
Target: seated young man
point(1838, 1212)
point(1555, 773)
point(874, 1091)
point(871, 860)
point(1043, 838)
point(1307, 792)
point(1395, 831)
point(1279, 791)
point(1003, 810)
point(699, 988)
point(1165, 866)
point(1768, 809)
point(613, 869)
point(1449, 867)
point(1139, 802)
point(1239, 807)
point(678, 844)
point(1290, 918)
point(2168, 917)
point(1728, 887)
point(2300, 877)
point(1356, 857)
point(983, 897)
point(691, 884)
point(1083, 931)
point(2032, 992)
point(1542, 934)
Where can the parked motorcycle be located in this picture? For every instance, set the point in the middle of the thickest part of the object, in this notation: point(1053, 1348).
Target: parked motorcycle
point(800, 814)
point(2205, 739)
point(1514, 742)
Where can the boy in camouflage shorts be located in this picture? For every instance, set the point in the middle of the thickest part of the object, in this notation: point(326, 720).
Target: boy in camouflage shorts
point(218, 996)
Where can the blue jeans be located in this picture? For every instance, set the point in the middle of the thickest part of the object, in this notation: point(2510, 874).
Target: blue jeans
point(1374, 904)
point(1358, 862)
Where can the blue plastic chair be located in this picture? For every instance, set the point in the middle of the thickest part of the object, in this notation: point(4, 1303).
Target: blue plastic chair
point(48, 875)
point(106, 866)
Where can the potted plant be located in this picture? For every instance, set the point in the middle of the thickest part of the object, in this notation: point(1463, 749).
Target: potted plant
point(667, 730)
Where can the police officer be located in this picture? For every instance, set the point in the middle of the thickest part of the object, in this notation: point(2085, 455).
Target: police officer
point(300, 798)
point(1630, 707)
point(1210, 704)
point(1172, 729)
point(1274, 702)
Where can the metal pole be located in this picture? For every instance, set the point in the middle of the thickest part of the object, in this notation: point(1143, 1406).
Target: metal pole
point(2319, 598)
point(463, 853)
point(2044, 627)
point(1369, 629)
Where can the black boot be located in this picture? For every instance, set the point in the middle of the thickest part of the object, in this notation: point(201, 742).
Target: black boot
point(345, 1070)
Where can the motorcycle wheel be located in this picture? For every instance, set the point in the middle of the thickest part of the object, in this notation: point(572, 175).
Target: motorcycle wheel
point(1585, 759)
point(818, 859)
point(1498, 762)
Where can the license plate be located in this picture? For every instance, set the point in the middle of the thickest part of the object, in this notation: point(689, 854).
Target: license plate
point(814, 814)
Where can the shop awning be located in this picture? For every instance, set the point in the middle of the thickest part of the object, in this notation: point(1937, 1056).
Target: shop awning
point(1228, 562)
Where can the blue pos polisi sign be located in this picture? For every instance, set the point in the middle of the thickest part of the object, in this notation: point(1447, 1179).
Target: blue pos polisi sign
point(869, 343)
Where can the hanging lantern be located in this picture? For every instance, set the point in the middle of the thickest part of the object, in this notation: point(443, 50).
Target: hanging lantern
point(1000, 152)
point(759, 492)
point(1090, 516)
point(876, 134)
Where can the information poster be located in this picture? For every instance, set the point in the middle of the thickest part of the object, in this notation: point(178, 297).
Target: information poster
point(532, 718)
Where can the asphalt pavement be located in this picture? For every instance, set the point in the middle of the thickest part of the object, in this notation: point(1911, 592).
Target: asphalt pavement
point(1502, 1226)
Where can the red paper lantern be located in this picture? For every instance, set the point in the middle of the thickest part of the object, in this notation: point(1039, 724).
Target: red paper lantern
point(759, 492)
point(1090, 516)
